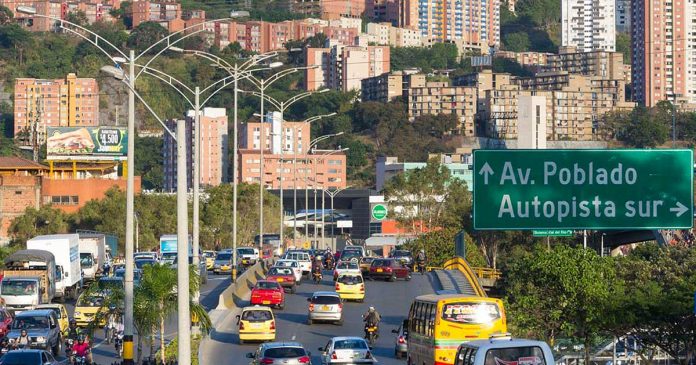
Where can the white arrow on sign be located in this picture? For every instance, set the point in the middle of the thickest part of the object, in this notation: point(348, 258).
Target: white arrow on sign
point(679, 209)
point(486, 170)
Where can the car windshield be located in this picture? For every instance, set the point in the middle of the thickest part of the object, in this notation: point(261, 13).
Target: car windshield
point(267, 285)
point(350, 279)
point(381, 263)
point(350, 345)
point(90, 301)
point(52, 309)
point(347, 265)
point(326, 299)
point(367, 260)
point(21, 358)
point(140, 263)
point(209, 254)
point(245, 251)
point(86, 260)
point(284, 352)
point(279, 271)
point(349, 254)
point(256, 315)
point(18, 287)
point(223, 257)
point(29, 322)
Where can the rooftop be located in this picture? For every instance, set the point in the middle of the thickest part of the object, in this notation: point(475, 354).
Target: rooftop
point(18, 163)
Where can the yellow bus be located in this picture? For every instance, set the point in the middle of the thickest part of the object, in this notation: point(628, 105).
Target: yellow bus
point(438, 324)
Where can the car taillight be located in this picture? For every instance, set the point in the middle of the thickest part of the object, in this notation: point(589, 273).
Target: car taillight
point(368, 355)
point(362, 287)
point(340, 307)
point(401, 339)
point(241, 325)
point(304, 360)
point(272, 325)
point(333, 356)
point(266, 361)
point(337, 286)
point(311, 307)
point(388, 269)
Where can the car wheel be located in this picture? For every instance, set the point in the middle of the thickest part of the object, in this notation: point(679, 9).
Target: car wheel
point(281, 306)
point(392, 278)
point(58, 347)
point(241, 342)
point(309, 321)
point(408, 278)
point(293, 289)
point(339, 323)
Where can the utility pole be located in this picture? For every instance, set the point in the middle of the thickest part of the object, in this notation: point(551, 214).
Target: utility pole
point(182, 237)
point(128, 353)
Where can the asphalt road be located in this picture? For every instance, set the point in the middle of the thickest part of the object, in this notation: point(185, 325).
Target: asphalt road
point(105, 354)
point(392, 300)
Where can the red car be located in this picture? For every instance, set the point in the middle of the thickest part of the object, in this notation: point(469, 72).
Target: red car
point(283, 276)
point(267, 292)
point(389, 269)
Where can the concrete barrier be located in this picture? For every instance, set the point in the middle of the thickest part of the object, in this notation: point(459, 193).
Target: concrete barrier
point(232, 297)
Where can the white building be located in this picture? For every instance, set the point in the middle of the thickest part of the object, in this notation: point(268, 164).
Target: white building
point(589, 25)
point(531, 122)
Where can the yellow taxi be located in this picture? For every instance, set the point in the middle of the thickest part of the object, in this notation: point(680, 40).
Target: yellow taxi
point(209, 259)
point(256, 323)
point(86, 308)
point(61, 314)
point(365, 263)
point(351, 287)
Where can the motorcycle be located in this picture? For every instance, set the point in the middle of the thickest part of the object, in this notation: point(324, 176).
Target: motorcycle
point(68, 347)
point(118, 343)
point(79, 360)
point(421, 267)
point(372, 335)
point(317, 277)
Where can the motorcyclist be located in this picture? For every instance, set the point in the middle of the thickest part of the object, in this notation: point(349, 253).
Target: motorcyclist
point(316, 268)
point(73, 330)
point(82, 348)
point(4, 345)
point(23, 340)
point(371, 319)
point(420, 259)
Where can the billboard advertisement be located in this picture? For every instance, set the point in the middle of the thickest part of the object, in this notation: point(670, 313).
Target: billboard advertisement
point(86, 143)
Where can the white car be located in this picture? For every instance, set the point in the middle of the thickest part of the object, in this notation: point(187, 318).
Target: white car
point(145, 255)
point(294, 265)
point(301, 257)
point(346, 350)
point(346, 267)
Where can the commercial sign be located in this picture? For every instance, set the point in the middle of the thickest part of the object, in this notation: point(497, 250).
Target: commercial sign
point(583, 189)
point(86, 143)
point(552, 232)
point(379, 212)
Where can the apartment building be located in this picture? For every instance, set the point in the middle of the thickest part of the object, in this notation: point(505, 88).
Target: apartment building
point(328, 9)
point(460, 163)
point(472, 25)
point(95, 10)
point(440, 98)
point(604, 64)
point(383, 10)
point(287, 147)
point(40, 103)
point(588, 25)
point(623, 16)
point(663, 46)
point(385, 34)
point(214, 149)
point(390, 86)
point(166, 12)
point(344, 67)
point(531, 60)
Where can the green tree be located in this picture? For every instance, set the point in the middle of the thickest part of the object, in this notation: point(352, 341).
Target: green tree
point(439, 247)
point(516, 42)
point(146, 34)
point(149, 162)
point(34, 222)
point(623, 46)
point(643, 127)
point(15, 41)
point(564, 291)
point(78, 17)
point(6, 16)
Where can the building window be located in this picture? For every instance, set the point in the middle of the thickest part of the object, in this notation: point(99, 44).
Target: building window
point(65, 200)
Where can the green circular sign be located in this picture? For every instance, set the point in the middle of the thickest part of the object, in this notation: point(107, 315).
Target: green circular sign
point(379, 212)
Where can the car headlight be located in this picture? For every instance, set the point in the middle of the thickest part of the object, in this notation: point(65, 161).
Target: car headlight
point(41, 339)
point(78, 313)
point(217, 266)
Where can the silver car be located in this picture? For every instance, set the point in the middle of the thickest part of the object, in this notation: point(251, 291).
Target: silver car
point(325, 306)
point(401, 345)
point(285, 353)
point(346, 350)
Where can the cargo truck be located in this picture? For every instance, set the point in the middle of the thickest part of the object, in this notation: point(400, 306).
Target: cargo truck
point(92, 255)
point(28, 280)
point(66, 251)
point(168, 248)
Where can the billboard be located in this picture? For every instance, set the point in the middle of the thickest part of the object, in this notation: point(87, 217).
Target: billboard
point(86, 143)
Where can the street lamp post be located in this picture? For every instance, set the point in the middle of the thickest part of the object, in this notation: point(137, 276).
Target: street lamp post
point(332, 194)
point(331, 152)
point(281, 106)
point(313, 143)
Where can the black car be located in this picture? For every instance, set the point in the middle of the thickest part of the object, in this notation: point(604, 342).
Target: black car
point(404, 255)
point(28, 357)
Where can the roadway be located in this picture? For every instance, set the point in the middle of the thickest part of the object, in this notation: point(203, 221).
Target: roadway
point(105, 354)
point(392, 300)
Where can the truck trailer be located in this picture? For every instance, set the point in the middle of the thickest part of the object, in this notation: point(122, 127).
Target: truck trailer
point(66, 250)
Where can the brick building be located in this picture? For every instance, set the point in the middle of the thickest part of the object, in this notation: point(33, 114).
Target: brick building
point(20, 188)
point(69, 102)
point(434, 98)
point(344, 67)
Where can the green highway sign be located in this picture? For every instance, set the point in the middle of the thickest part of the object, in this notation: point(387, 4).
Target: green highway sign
point(583, 189)
point(379, 212)
point(552, 232)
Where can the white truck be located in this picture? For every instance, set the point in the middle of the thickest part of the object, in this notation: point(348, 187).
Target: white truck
point(66, 250)
point(92, 255)
point(29, 279)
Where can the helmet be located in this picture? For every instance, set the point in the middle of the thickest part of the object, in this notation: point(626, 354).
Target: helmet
point(73, 322)
point(372, 309)
point(422, 251)
point(23, 332)
point(81, 338)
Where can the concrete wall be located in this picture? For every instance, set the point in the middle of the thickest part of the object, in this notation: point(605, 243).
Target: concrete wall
point(489, 143)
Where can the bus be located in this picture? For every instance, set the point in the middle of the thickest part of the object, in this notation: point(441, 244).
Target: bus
point(271, 245)
point(438, 324)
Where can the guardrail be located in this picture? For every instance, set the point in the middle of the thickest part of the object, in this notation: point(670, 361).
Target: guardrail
point(487, 273)
point(232, 296)
point(458, 263)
